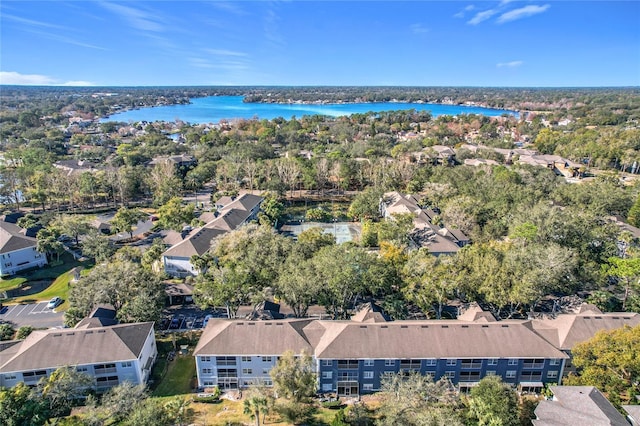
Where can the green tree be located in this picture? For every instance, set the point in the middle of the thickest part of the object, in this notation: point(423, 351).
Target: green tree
point(72, 225)
point(257, 400)
point(63, 389)
point(136, 293)
point(24, 331)
point(627, 272)
point(174, 215)
point(6, 332)
point(493, 403)
point(97, 246)
point(297, 285)
point(366, 205)
point(153, 253)
point(125, 219)
point(610, 361)
point(415, 399)
point(311, 240)
point(430, 281)
point(20, 406)
point(634, 213)
point(294, 377)
point(272, 208)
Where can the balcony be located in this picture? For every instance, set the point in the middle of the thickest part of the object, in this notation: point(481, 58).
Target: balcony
point(99, 371)
point(471, 365)
point(347, 364)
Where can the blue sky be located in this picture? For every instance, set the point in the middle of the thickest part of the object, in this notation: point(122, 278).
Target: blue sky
point(423, 43)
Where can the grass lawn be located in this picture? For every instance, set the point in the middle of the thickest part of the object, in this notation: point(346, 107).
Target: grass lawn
point(177, 380)
point(60, 274)
point(10, 283)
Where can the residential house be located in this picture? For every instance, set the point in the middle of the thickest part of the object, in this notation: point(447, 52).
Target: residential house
point(76, 167)
point(439, 240)
point(18, 251)
point(111, 354)
point(577, 405)
point(231, 213)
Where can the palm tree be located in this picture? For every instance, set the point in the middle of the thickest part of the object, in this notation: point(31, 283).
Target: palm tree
point(256, 402)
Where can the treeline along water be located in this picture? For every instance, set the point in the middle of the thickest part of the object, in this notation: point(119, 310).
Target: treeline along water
point(213, 109)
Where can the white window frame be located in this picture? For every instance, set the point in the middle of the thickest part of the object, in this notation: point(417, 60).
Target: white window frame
point(368, 363)
point(246, 359)
point(510, 374)
point(512, 361)
point(452, 362)
point(327, 375)
point(326, 362)
point(554, 361)
point(327, 387)
point(552, 374)
point(492, 361)
point(247, 371)
point(431, 362)
point(367, 386)
point(367, 375)
point(389, 362)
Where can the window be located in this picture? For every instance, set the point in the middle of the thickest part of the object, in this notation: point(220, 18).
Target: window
point(552, 374)
point(554, 361)
point(513, 362)
point(205, 358)
point(327, 387)
point(368, 375)
point(267, 382)
point(226, 360)
point(247, 371)
point(472, 363)
point(246, 359)
point(126, 364)
point(450, 374)
point(389, 363)
point(368, 363)
point(367, 386)
point(452, 362)
point(411, 364)
point(265, 371)
point(432, 362)
point(511, 374)
point(491, 373)
point(327, 363)
point(492, 361)
point(207, 370)
point(207, 383)
point(82, 369)
point(470, 376)
point(10, 377)
point(267, 359)
point(327, 374)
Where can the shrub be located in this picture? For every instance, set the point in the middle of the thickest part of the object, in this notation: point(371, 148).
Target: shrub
point(317, 215)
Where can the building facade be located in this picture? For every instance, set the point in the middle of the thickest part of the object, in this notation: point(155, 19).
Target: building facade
point(352, 357)
point(18, 251)
point(110, 354)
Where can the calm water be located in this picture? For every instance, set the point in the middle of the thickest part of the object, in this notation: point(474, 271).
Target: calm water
point(215, 108)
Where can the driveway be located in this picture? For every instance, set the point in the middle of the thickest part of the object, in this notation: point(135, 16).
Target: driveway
point(35, 314)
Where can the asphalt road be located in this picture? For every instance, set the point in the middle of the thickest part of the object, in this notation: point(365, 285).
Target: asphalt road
point(36, 315)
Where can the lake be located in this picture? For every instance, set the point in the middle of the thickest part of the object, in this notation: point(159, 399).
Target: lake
point(215, 108)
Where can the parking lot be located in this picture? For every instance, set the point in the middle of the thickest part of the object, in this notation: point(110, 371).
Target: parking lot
point(36, 315)
point(188, 317)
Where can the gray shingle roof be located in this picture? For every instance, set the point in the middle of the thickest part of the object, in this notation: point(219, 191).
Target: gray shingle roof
point(56, 348)
point(577, 405)
point(12, 238)
point(395, 339)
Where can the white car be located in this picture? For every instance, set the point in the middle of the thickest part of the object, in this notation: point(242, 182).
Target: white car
point(54, 302)
point(206, 320)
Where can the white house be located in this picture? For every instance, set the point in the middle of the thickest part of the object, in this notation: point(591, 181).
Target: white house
point(17, 251)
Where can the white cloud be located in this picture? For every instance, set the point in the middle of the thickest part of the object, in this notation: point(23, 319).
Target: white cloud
point(224, 52)
point(512, 64)
point(31, 22)
point(523, 12)
point(12, 77)
point(482, 16)
point(418, 29)
point(461, 14)
point(136, 18)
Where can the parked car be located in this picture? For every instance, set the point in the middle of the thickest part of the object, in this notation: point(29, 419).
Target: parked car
point(54, 302)
point(206, 320)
